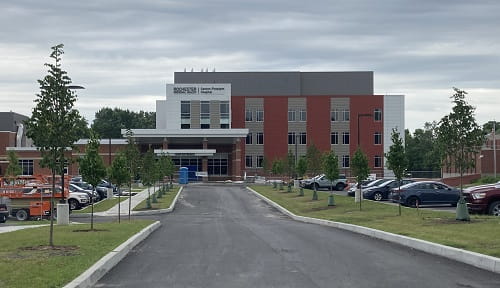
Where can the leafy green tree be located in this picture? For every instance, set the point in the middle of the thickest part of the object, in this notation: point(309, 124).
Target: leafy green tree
point(119, 173)
point(109, 122)
point(396, 158)
point(331, 168)
point(361, 170)
point(423, 151)
point(278, 167)
point(313, 156)
point(461, 138)
point(132, 155)
point(488, 127)
point(14, 168)
point(54, 124)
point(92, 168)
point(302, 166)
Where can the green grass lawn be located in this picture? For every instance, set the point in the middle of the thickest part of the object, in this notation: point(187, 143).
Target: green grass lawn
point(163, 202)
point(26, 264)
point(101, 206)
point(480, 235)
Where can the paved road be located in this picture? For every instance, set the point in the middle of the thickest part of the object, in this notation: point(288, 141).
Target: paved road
point(226, 237)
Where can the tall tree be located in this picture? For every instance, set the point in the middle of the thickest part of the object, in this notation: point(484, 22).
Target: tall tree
point(54, 122)
point(313, 156)
point(331, 168)
point(423, 151)
point(14, 169)
point(461, 139)
point(119, 173)
point(109, 122)
point(360, 170)
point(92, 168)
point(396, 158)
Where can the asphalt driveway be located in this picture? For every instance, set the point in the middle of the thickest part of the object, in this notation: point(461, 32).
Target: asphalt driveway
point(224, 236)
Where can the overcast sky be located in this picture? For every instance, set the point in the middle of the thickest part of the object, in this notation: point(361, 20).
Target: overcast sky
point(124, 51)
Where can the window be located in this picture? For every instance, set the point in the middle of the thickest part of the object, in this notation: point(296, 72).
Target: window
point(377, 115)
point(303, 138)
point(291, 115)
point(334, 138)
point(260, 161)
point(334, 115)
point(259, 115)
point(249, 139)
point(224, 114)
point(345, 114)
point(378, 161)
point(26, 166)
point(205, 114)
point(345, 161)
point(291, 138)
point(248, 162)
point(303, 115)
point(260, 138)
point(378, 138)
point(248, 115)
point(345, 138)
point(185, 114)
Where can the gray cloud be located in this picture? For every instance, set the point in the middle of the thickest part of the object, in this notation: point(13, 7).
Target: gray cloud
point(124, 52)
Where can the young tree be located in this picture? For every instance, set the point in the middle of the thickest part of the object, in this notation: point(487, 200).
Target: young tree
point(147, 172)
point(92, 168)
point(313, 156)
point(360, 170)
point(461, 138)
point(331, 168)
point(278, 167)
point(397, 160)
point(133, 159)
point(119, 173)
point(13, 169)
point(290, 164)
point(54, 122)
point(301, 166)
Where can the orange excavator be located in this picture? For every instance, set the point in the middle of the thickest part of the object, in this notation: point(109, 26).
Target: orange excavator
point(29, 196)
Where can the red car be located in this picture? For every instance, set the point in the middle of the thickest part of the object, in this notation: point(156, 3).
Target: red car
point(484, 199)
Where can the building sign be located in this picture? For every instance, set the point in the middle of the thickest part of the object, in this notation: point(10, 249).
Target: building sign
point(201, 89)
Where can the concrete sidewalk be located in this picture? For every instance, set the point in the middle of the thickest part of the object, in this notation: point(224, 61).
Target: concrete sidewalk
point(134, 201)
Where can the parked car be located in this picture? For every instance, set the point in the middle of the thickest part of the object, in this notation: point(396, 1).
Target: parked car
point(4, 213)
point(425, 193)
point(78, 200)
point(107, 185)
point(382, 191)
point(102, 191)
point(484, 199)
point(320, 181)
point(90, 193)
point(365, 185)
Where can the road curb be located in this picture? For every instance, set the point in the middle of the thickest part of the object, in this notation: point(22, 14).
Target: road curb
point(134, 213)
point(106, 263)
point(478, 260)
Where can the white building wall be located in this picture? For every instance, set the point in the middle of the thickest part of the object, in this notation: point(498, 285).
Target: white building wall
point(394, 117)
point(168, 112)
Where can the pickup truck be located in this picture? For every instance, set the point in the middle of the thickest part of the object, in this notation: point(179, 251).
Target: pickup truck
point(484, 199)
point(320, 181)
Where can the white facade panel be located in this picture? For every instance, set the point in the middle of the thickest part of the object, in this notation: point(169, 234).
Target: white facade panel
point(394, 117)
point(161, 118)
point(170, 111)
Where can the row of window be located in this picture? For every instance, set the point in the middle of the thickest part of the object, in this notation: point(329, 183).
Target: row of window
point(345, 159)
point(336, 115)
point(299, 115)
point(204, 114)
point(334, 138)
point(301, 138)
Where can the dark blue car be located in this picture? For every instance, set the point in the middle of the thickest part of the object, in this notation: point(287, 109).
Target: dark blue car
point(382, 191)
point(425, 193)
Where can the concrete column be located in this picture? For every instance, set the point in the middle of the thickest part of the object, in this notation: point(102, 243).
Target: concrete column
point(204, 160)
point(62, 214)
point(165, 143)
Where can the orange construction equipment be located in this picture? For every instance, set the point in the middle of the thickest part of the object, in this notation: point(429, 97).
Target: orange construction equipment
point(29, 196)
